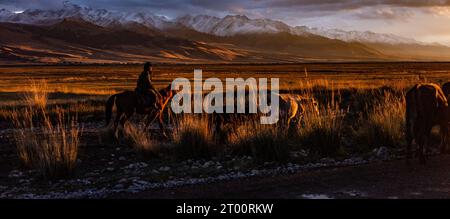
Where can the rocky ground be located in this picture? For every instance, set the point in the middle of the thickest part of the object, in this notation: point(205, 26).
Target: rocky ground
point(114, 170)
point(107, 170)
point(380, 180)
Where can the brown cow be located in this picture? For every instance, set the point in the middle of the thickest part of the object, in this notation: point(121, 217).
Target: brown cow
point(426, 106)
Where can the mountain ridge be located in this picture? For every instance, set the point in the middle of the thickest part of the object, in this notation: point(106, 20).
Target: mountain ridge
point(99, 35)
point(226, 26)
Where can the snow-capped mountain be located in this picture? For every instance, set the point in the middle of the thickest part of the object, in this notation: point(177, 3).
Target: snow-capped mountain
point(200, 23)
point(363, 37)
point(232, 25)
point(5, 13)
point(226, 26)
point(239, 24)
point(99, 17)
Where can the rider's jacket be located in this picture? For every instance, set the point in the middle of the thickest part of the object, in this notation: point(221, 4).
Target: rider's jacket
point(144, 83)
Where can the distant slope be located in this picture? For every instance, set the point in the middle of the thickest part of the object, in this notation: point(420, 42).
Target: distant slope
point(307, 47)
point(81, 41)
point(413, 52)
point(76, 40)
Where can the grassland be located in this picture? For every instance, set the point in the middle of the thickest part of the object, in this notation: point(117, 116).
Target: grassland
point(361, 110)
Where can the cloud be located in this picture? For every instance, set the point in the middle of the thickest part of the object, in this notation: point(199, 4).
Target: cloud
point(25, 4)
point(249, 7)
point(326, 5)
point(384, 13)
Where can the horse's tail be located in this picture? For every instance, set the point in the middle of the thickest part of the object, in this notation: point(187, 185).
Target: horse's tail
point(109, 108)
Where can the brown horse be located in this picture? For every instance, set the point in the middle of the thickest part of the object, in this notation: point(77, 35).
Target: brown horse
point(127, 104)
point(294, 106)
point(426, 106)
point(446, 88)
point(291, 107)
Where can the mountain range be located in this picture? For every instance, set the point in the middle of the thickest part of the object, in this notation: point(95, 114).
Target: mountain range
point(78, 34)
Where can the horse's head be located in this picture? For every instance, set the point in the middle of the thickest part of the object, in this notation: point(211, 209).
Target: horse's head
point(167, 92)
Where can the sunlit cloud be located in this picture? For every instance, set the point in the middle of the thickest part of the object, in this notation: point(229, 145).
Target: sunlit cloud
point(439, 11)
point(387, 13)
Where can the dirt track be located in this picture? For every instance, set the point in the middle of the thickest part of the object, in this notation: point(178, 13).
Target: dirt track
point(392, 179)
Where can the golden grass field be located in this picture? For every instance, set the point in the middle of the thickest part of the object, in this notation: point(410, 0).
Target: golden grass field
point(361, 107)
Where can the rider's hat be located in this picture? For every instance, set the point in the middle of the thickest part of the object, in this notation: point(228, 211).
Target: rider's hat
point(147, 65)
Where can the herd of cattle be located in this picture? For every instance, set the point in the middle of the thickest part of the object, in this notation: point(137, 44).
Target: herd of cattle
point(426, 106)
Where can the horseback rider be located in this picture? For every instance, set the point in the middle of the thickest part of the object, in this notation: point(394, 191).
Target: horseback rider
point(147, 94)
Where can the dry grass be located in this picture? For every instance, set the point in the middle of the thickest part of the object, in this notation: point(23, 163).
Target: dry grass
point(385, 123)
point(382, 123)
point(194, 137)
point(37, 95)
point(140, 140)
point(44, 86)
point(49, 145)
point(262, 142)
point(322, 133)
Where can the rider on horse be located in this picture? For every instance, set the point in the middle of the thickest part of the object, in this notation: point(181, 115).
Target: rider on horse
point(147, 94)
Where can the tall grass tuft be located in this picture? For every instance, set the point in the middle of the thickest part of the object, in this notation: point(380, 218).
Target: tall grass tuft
point(140, 140)
point(322, 133)
point(385, 122)
point(37, 95)
point(262, 142)
point(194, 137)
point(47, 144)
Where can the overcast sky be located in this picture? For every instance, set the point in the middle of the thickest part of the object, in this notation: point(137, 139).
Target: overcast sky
point(423, 20)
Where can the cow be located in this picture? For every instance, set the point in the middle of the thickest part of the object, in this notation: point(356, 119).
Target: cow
point(426, 106)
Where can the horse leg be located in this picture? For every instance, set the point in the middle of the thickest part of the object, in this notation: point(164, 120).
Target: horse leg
point(419, 138)
point(150, 118)
point(116, 123)
point(447, 139)
point(408, 151)
point(161, 124)
point(124, 118)
point(424, 149)
point(444, 137)
point(409, 139)
point(421, 142)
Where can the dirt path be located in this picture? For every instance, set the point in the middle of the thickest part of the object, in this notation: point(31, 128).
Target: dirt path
point(392, 179)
